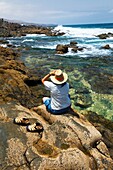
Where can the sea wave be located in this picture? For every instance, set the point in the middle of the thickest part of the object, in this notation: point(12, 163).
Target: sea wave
point(44, 46)
point(82, 32)
point(85, 37)
point(27, 40)
point(35, 35)
point(88, 52)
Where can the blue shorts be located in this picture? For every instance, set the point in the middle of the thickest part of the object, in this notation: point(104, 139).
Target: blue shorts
point(56, 112)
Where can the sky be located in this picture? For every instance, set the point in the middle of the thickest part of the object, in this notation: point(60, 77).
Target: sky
point(61, 12)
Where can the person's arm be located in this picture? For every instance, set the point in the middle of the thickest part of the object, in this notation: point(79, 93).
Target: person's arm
point(45, 78)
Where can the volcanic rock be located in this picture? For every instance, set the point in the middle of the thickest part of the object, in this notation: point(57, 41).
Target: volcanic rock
point(61, 49)
point(107, 46)
point(68, 141)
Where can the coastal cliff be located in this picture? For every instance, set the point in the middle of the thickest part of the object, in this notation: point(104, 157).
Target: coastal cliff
point(68, 141)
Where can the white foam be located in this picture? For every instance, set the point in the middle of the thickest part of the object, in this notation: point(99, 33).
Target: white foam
point(89, 51)
point(3, 45)
point(27, 40)
point(82, 32)
point(35, 35)
point(111, 46)
point(94, 52)
point(45, 46)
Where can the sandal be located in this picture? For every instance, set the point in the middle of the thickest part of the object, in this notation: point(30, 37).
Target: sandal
point(35, 127)
point(21, 121)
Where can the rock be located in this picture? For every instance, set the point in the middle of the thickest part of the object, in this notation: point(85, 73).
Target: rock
point(73, 43)
point(16, 80)
point(110, 34)
point(4, 42)
point(102, 83)
point(61, 49)
point(69, 142)
point(83, 100)
point(8, 29)
point(80, 48)
point(54, 33)
point(75, 49)
point(104, 126)
point(107, 46)
point(104, 36)
point(11, 46)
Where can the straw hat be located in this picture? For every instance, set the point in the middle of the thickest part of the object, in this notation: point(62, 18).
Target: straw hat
point(59, 77)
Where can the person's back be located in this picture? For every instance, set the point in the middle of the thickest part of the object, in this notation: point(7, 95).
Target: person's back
point(59, 90)
point(59, 95)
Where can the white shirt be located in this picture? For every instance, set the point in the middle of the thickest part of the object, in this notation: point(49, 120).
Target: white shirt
point(59, 95)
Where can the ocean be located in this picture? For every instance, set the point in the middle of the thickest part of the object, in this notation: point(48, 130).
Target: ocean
point(42, 47)
point(85, 35)
point(90, 71)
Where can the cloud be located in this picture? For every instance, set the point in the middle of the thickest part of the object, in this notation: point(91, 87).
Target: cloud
point(111, 11)
point(16, 10)
point(4, 7)
point(64, 14)
point(51, 11)
point(34, 13)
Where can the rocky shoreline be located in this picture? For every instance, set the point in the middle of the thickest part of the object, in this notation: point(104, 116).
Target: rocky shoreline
point(70, 141)
point(17, 99)
point(8, 29)
point(15, 79)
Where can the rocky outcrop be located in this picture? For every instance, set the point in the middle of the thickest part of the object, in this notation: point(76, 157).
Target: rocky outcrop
point(105, 35)
point(68, 142)
point(8, 29)
point(104, 126)
point(107, 46)
point(61, 49)
point(15, 79)
point(40, 30)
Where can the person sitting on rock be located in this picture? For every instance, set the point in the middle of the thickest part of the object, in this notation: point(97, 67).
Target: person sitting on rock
point(59, 102)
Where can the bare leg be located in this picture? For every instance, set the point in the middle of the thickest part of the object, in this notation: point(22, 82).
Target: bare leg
point(43, 100)
point(41, 110)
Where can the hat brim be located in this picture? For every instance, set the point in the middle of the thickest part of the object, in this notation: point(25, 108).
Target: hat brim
point(54, 80)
